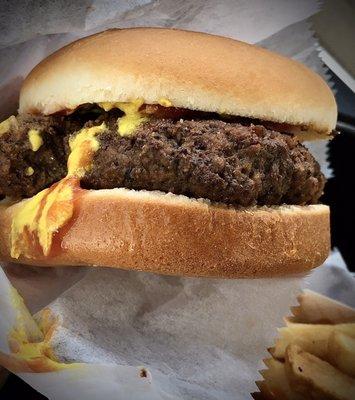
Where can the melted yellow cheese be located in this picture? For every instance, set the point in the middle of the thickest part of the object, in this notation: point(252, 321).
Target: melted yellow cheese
point(25, 217)
point(49, 210)
point(42, 216)
point(57, 211)
point(35, 138)
point(6, 125)
point(109, 105)
point(132, 117)
point(29, 171)
point(82, 145)
point(165, 102)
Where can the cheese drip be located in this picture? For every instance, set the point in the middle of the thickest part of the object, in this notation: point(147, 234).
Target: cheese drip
point(133, 117)
point(38, 219)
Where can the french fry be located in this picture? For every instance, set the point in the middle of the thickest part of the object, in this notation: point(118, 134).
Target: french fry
point(311, 338)
point(341, 352)
point(314, 357)
point(315, 308)
point(316, 378)
point(275, 384)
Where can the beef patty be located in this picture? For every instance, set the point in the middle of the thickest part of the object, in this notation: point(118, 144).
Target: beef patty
point(24, 172)
point(225, 162)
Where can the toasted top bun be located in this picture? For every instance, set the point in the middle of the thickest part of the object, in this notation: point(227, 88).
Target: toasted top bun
point(193, 70)
point(176, 235)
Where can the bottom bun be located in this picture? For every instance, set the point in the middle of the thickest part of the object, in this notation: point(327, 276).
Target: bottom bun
point(176, 235)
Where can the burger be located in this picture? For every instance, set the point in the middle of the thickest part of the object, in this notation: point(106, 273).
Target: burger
point(168, 151)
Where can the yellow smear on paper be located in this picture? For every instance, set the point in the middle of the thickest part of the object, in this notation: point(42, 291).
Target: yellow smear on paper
point(30, 343)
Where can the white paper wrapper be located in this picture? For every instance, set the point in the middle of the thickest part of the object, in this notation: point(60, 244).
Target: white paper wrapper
point(197, 338)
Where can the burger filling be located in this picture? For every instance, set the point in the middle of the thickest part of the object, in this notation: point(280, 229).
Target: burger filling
point(200, 155)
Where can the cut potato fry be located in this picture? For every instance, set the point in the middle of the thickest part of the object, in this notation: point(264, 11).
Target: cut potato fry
point(311, 338)
point(314, 356)
point(315, 308)
point(316, 378)
point(275, 384)
point(341, 352)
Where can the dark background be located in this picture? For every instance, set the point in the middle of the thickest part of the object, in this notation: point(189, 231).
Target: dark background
point(340, 189)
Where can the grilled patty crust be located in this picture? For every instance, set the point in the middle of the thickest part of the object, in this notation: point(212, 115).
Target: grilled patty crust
point(228, 162)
